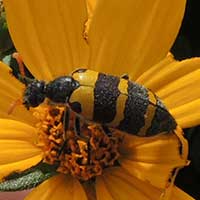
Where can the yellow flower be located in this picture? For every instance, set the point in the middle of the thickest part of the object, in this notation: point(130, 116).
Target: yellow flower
point(133, 37)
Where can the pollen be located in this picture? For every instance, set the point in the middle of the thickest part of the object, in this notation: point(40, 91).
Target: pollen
point(83, 155)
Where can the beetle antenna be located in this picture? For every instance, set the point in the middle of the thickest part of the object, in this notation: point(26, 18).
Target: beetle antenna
point(22, 75)
point(25, 79)
point(20, 63)
point(13, 105)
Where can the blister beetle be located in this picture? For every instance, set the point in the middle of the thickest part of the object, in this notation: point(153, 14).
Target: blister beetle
point(113, 101)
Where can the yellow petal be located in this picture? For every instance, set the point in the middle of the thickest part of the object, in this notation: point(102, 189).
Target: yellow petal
point(90, 7)
point(102, 191)
point(48, 35)
point(187, 115)
point(181, 91)
point(120, 185)
point(10, 91)
point(132, 36)
point(17, 147)
point(153, 159)
point(117, 184)
point(182, 98)
point(15, 130)
point(167, 71)
point(156, 174)
point(178, 194)
point(16, 150)
point(177, 84)
point(155, 74)
point(19, 166)
point(58, 187)
point(152, 150)
point(91, 4)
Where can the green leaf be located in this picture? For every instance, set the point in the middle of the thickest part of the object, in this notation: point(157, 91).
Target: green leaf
point(6, 43)
point(7, 59)
point(28, 179)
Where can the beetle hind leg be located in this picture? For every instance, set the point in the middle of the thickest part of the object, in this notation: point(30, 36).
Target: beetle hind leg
point(106, 130)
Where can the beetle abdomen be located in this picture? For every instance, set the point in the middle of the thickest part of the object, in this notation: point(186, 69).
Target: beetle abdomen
point(144, 113)
point(120, 104)
point(106, 93)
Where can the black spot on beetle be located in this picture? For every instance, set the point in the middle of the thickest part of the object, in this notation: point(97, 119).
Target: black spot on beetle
point(76, 107)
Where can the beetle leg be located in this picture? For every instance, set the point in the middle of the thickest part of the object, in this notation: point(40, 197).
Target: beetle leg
point(106, 130)
point(77, 125)
point(66, 121)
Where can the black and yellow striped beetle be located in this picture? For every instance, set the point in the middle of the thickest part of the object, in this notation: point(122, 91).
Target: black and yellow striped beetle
point(112, 101)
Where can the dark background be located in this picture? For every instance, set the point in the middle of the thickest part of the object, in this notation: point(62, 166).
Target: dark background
point(187, 45)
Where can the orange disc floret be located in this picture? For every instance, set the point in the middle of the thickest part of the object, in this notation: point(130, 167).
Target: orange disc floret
point(83, 156)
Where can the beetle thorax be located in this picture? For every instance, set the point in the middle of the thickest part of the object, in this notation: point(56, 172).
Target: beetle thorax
point(60, 89)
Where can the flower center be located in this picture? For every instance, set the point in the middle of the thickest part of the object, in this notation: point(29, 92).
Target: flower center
point(84, 156)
